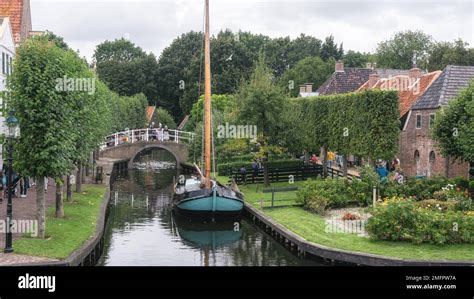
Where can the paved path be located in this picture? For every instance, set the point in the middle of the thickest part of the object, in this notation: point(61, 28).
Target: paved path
point(23, 209)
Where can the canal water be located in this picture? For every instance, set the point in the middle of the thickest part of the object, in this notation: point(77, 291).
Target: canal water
point(143, 230)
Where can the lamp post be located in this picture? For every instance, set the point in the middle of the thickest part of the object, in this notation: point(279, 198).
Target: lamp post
point(13, 132)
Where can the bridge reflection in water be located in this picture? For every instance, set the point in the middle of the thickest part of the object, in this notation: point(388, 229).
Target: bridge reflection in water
point(143, 230)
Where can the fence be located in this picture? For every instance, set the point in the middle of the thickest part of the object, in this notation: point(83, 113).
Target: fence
point(281, 174)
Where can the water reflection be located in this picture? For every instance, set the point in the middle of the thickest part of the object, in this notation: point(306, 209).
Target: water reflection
point(143, 230)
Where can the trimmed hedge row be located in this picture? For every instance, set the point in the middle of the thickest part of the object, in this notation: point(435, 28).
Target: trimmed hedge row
point(362, 123)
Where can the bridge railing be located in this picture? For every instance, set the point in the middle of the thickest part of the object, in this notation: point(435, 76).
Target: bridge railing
point(147, 134)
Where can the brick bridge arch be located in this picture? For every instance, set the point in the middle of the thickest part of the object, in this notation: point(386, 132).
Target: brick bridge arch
point(128, 151)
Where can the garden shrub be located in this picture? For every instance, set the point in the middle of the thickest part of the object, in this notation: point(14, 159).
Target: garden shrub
point(334, 190)
point(395, 221)
point(407, 220)
point(317, 203)
point(360, 191)
point(437, 205)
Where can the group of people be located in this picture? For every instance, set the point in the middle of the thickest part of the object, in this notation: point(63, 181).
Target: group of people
point(383, 169)
point(160, 133)
point(256, 166)
point(23, 183)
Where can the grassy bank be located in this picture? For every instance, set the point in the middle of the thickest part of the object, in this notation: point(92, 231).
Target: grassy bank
point(312, 227)
point(65, 235)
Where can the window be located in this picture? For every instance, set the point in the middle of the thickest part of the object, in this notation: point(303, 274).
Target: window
point(11, 65)
point(432, 156)
point(3, 63)
point(418, 121)
point(432, 118)
point(417, 156)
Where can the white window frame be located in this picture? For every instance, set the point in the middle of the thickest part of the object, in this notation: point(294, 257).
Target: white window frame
point(416, 121)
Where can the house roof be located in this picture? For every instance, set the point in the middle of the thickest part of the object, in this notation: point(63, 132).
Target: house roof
point(150, 110)
point(352, 78)
point(447, 86)
point(18, 12)
point(408, 96)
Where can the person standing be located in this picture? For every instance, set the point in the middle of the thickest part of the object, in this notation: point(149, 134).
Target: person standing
point(24, 185)
point(243, 174)
point(331, 156)
point(166, 134)
point(254, 170)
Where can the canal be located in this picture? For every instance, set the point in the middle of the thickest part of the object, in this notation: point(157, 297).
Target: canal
point(143, 230)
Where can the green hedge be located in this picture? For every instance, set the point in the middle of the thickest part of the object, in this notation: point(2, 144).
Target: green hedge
point(361, 123)
point(225, 168)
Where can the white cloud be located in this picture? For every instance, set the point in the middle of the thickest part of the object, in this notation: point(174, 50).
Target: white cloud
point(154, 24)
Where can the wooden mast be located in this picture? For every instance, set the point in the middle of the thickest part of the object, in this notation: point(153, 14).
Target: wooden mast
point(207, 101)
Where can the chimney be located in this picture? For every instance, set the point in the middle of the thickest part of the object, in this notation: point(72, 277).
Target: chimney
point(373, 78)
point(339, 66)
point(302, 88)
point(309, 87)
point(414, 73)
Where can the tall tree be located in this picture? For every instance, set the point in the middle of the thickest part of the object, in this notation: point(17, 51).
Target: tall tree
point(329, 49)
point(404, 49)
point(178, 71)
point(261, 104)
point(308, 70)
point(121, 50)
point(357, 59)
point(443, 53)
point(127, 69)
point(46, 115)
point(454, 126)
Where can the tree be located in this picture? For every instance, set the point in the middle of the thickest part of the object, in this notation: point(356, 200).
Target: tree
point(308, 70)
point(57, 40)
point(127, 69)
point(302, 47)
point(404, 49)
point(261, 104)
point(329, 49)
point(46, 115)
point(120, 50)
point(164, 117)
point(443, 53)
point(357, 59)
point(454, 126)
point(178, 70)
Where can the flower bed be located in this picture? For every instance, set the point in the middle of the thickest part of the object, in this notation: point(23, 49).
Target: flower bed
point(434, 222)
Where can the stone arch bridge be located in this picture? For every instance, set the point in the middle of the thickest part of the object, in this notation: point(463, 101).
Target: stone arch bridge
point(126, 145)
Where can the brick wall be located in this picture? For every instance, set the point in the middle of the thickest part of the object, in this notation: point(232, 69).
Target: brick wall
point(413, 139)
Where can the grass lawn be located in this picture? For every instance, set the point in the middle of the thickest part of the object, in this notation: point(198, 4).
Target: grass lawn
point(65, 235)
point(312, 227)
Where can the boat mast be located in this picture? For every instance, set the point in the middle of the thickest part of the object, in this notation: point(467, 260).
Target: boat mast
point(207, 100)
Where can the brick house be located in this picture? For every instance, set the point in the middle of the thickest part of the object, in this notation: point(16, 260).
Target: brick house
point(418, 152)
point(349, 79)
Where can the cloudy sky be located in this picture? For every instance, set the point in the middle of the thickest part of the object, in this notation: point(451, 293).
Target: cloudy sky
point(153, 24)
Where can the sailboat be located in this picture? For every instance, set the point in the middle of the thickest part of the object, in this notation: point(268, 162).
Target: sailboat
point(202, 196)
